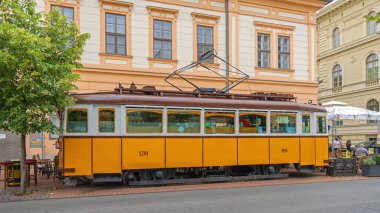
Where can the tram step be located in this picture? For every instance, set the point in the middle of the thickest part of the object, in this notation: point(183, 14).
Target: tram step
point(107, 178)
point(307, 170)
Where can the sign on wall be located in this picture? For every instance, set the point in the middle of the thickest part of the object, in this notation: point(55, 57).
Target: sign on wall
point(36, 140)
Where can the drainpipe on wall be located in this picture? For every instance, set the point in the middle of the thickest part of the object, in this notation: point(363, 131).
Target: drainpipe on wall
point(227, 48)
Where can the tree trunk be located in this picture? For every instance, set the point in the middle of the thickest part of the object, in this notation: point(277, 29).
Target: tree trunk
point(23, 165)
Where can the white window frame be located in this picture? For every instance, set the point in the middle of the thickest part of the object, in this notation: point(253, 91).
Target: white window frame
point(164, 120)
point(371, 25)
point(261, 51)
point(253, 111)
point(90, 119)
point(285, 112)
point(235, 134)
point(192, 109)
point(336, 37)
point(117, 119)
point(316, 114)
point(281, 63)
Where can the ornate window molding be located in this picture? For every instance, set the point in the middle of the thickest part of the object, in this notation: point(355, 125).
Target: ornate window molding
point(371, 24)
point(373, 105)
point(65, 3)
point(168, 15)
point(337, 76)
point(275, 31)
point(372, 67)
point(118, 8)
point(336, 38)
point(206, 20)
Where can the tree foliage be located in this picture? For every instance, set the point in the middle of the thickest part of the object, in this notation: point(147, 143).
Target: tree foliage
point(376, 17)
point(38, 52)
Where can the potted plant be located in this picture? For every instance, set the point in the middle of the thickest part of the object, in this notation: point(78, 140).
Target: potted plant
point(371, 166)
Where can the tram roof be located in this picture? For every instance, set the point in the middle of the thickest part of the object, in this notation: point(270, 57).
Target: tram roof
point(192, 99)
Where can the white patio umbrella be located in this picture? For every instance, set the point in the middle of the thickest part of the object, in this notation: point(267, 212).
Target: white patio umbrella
point(340, 111)
point(334, 103)
point(351, 113)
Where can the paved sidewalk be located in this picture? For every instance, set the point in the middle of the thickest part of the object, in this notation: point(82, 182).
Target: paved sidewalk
point(47, 189)
point(104, 190)
point(41, 191)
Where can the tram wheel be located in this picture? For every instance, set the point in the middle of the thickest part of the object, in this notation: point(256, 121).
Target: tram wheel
point(125, 178)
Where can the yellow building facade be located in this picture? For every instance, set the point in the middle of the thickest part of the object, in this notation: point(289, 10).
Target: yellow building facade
point(142, 41)
point(348, 52)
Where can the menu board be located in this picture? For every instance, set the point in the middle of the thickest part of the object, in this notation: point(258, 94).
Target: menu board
point(36, 140)
point(282, 119)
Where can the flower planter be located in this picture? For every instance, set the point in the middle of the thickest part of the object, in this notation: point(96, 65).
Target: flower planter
point(371, 171)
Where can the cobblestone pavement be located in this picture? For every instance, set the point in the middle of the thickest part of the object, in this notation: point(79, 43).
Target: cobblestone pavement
point(41, 191)
point(47, 189)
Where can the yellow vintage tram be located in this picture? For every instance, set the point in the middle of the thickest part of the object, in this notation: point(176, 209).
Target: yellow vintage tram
point(144, 134)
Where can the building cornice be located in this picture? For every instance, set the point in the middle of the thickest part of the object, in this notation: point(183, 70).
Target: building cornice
point(317, 4)
point(350, 92)
point(334, 8)
point(348, 46)
point(276, 26)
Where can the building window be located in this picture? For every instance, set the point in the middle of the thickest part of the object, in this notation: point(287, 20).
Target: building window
point(68, 12)
point(336, 38)
point(162, 39)
point(338, 123)
point(115, 34)
point(374, 106)
point(205, 42)
point(337, 76)
point(284, 52)
point(263, 42)
point(372, 67)
point(371, 24)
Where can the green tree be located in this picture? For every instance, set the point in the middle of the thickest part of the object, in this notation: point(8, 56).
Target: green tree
point(37, 55)
point(376, 17)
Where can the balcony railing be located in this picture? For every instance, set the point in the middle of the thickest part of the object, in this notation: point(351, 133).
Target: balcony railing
point(337, 89)
point(374, 82)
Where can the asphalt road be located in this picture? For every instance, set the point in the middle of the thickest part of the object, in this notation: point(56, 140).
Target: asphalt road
point(349, 196)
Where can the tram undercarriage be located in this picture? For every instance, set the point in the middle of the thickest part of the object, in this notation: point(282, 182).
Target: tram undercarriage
point(145, 177)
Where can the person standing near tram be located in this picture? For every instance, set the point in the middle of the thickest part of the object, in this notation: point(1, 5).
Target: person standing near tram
point(336, 144)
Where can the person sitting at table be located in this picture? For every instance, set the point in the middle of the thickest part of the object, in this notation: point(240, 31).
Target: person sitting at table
point(361, 151)
point(348, 145)
point(353, 148)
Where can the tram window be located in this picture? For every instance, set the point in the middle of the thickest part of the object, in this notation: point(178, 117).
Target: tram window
point(321, 124)
point(252, 123)
point(106, 120)
point(144, 121)
point(77, 121)
point(183, 122)
point(219, 122)
point(305, 123)
point(283, 123)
